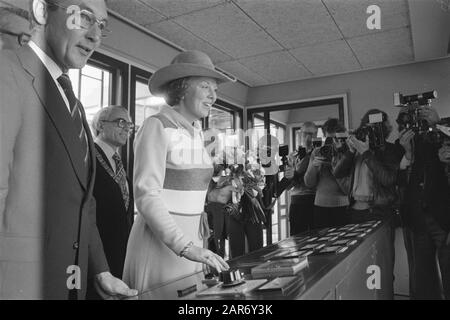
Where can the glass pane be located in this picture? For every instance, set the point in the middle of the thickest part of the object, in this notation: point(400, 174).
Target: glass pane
point(220, 119)
point(91, 96)
point(320, 133)
point(283, 199)
point(93, 90)
point(74, 75)
point(275, 235)
point(106, 87)
point(92, 72)
point(146, 104)
point(280, 134)
point(283, 226)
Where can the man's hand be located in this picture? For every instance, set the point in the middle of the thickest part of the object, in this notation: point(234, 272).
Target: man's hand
point(316, 160)
point(112, 288)
point(444, 154)
point(289, 170)
point(430, 115)
point(357, 145)
point(405, 140)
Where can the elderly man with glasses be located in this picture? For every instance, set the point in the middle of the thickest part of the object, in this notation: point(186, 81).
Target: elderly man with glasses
point(113, 191)
point(15, 28)
point(50, 244)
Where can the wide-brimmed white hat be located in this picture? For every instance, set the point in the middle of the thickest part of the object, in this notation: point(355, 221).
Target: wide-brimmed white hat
point(186, 64)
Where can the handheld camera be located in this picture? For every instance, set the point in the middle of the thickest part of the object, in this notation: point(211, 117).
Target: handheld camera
point(283, 151)
point(410, 118)
point(373, 130)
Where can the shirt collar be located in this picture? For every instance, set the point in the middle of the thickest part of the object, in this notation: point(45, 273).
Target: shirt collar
point(107, 149)
point(54, 70)
point(180, 120)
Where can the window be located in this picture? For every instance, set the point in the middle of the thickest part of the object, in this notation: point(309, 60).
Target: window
point(92, 86)
point(221, 119)
point(145, 103)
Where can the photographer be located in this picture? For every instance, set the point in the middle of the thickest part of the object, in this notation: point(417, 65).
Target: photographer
point(372, 171)
point(425, 207)
point(331, 198)
point(301, 209)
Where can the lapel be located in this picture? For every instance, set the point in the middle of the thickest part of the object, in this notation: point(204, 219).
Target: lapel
point(56, 109)
point(92, 162)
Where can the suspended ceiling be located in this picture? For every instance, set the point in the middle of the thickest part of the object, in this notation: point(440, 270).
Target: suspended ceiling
point(263, 42)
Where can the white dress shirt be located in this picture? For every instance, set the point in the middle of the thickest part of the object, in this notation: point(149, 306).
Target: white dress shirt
point(108, 150)
point(54, 70)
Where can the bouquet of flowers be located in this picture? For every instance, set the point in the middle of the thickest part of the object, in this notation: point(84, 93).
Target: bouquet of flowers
point(244, 185)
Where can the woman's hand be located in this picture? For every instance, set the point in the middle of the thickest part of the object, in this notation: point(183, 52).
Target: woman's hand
point(207, 257)
point(357, 145)
point(316, 160)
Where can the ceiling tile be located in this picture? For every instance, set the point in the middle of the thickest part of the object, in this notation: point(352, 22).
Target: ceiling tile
point(327, 58)
point(173, 8)
point(229, 29)
point(175, 33)
point(351, 16)
point(382, 49)
point(293, 23)
point(277, 66)
point(136, 11)
point(242, 73)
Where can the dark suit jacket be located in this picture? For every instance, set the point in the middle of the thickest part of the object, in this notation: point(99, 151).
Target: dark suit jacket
point(46, 204)
point(113, 220)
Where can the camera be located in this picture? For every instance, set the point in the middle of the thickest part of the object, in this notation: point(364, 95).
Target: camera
point(342, 138)
point(317, 143)
point(283, 151)
point(374, 130)
point(326, 151)
point(410, 118)
point(301, 153)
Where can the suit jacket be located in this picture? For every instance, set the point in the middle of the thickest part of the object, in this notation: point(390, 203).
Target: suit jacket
point(47, 210)
point(113, 219)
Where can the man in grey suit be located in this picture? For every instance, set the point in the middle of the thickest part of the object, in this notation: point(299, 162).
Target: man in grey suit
point(48, 234)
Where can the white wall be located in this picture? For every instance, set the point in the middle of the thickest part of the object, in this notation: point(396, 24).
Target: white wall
point(367, 89)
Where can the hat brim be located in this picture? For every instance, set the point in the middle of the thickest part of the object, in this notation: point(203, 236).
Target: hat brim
point(181, 70)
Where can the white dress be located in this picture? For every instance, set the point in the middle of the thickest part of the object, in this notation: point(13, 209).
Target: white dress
point(172, 171)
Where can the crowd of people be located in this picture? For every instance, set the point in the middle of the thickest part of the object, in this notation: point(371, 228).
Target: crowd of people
point(362, 182)
point(69, 227)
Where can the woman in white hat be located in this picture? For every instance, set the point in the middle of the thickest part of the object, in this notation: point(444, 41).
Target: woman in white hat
point(172, 171)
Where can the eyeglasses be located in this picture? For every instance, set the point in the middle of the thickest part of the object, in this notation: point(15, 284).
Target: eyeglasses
point(87, 20)
point(22, 38)
point(122, 123)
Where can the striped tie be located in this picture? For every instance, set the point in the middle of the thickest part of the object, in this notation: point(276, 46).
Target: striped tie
point(75, 112)
point(121, 179)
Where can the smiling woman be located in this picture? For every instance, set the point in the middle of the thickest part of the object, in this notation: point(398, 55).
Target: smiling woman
point(170, 194)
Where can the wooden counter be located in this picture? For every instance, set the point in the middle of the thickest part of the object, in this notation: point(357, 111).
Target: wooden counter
point(330, 276)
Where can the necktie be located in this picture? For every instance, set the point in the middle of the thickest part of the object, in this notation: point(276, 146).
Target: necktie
point(75, 112)
point(121, 179)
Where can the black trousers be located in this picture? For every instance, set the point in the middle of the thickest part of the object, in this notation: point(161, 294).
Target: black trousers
point(428, 260)
point(218, 222)
point(325, 217)
point(301, 213)
point(238, 231)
